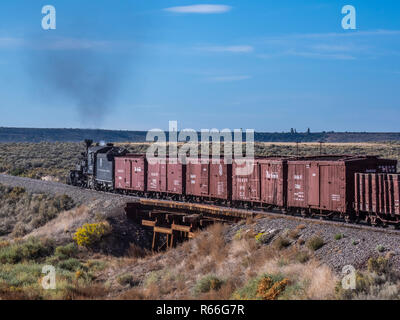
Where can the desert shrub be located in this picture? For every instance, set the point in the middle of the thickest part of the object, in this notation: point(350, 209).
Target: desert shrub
point(378, 265)
point(20, 274)
point(23, 211)
point(315, 243)
point(17, 171)
point(338, 236)
point(95, 265)
point(294, 234)
point(258, 288)
point(260, 237)
point(302, 257)
point(207, 283)
point(371, 286)
point(31, 249)
point(126, 279)
point(238, 235)
point(134, 251)
point(267, 289)
point(71, 264)
point(153, 278)
point(380, 248)
point(68, 251)
point(91, 233)
point(281, 243)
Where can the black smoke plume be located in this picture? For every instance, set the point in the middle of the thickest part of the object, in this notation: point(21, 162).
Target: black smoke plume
point(89, 79)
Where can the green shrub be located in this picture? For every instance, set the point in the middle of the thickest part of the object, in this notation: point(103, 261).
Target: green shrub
point(339, 236)
point(251, 289)
point(68, 251)
point(207, 283)
point(378, 265)
point(315, 243)
point(31, 249)
point(380, 248)
point(126, 279)
point(20, 274)
point(71, 264)
point(154, 277)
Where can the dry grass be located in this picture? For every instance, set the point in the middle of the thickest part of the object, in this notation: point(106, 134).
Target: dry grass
point(232, 265)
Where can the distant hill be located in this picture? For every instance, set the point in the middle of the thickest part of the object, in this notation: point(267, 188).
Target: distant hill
point(77, 135)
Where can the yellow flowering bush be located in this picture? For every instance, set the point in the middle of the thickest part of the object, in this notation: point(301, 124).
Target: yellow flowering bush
point(260, 237)
point(269, 290)
point(91, 233)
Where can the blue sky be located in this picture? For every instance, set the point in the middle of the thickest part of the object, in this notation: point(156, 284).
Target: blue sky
point(265, 65)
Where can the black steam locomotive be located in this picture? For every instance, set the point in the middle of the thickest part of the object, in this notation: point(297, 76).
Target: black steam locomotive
point(95, 167)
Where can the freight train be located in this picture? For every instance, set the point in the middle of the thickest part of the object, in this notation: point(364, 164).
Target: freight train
point(351, 187)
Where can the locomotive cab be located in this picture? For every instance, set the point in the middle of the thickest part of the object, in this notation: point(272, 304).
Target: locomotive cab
point(95, 169)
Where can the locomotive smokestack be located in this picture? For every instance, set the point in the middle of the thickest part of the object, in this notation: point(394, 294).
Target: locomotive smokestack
point(88, 143)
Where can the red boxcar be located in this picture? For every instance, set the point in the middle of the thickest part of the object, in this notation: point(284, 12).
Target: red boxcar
point(246, 187)
point(273, 177)
point(166, 177)
point(176, 178)
point(207, 179)
point(267, 183)
point(384, 192)
point(327, 183)
point(157, 176)
point(131, 173)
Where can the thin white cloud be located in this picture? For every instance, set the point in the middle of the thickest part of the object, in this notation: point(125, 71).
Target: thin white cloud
point(56, 43)
point(230, 78)
point(11, 42)
point(200, 9)
point(319, 55)
point(331, 45)
point(232, 49)
point(74, 44)
point(281, 39)
point(381, 32)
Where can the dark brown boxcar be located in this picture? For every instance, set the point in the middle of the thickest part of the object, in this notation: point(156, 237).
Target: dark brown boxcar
point(130, 173)
point(327, 183)
point(396, 193)
point(387, 193)
point(386, 166)
point(364, 192)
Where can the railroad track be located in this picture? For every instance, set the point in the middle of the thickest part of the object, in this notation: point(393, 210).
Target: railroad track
point(84, 195)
